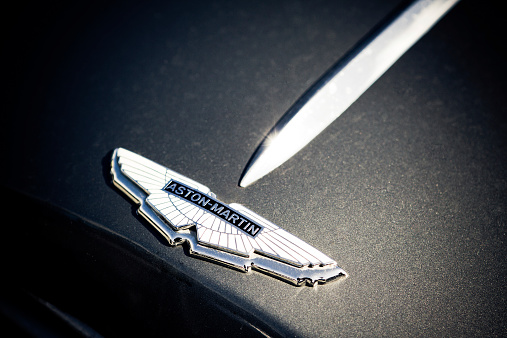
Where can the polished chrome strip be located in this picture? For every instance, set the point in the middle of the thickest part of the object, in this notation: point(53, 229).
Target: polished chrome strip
point(342, 85)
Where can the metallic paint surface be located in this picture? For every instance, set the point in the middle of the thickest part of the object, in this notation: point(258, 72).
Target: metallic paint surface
point(408, 191)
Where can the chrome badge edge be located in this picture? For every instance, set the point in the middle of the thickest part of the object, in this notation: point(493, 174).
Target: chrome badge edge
point(183, 210)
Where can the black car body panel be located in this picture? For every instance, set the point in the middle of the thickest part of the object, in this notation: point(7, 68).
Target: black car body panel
point(407, 190)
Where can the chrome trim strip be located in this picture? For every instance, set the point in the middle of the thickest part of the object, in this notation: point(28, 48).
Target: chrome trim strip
point(342, 85)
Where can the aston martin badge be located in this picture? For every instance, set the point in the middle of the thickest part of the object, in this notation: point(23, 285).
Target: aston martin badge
point(183, 210)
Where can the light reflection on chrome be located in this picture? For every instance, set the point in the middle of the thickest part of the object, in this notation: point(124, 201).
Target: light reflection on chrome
point(342, 85)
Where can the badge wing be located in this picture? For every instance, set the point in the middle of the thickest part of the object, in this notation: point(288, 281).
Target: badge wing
point(272, 250)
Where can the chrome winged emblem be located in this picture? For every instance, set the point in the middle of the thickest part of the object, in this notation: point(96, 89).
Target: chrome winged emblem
point(183, 210)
